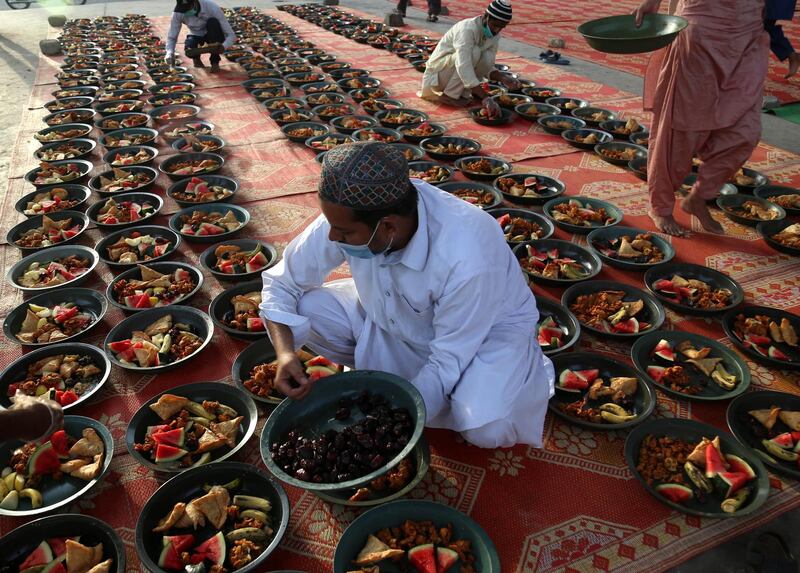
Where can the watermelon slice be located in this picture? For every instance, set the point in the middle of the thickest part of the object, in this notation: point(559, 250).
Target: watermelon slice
point(738, 465)
point(675, 492)
point(212, 549)
point(42, 555)
point(656, 372)
point(170, 559)
point(44, 460)
point(569, 380)
point(664, 351)
point(630, 326)
point(588, 375)
point(60, 443)
point(445, 559)
point(776, 354)
point(423, 558)
point(319, 361)
point(256, 262)
point(181, 543)
point(714, 462)
point(174, 437)
point(59, 545)
point(730, 482)
point(166, 453)
point(784, 440)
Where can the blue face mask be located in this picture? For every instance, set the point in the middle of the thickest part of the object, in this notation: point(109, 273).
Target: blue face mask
point(487, 32)
point(192, 12)
point(363, 251)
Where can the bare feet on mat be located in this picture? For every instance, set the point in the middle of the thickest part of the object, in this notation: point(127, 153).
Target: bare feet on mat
point(669, 225)
point(794, 64)
point(696, 205)
point(447, 100)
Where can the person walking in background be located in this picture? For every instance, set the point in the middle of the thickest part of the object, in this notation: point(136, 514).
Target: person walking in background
point(207, 25)
point(779, 44)
point(706, 104)
point(434, 9)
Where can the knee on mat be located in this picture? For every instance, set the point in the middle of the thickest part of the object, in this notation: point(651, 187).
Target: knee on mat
point(497, 434)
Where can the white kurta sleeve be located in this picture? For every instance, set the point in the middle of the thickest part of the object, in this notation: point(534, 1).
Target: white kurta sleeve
point(463, 45)
point(307, 261)
point(174, 30)
point(463, 316)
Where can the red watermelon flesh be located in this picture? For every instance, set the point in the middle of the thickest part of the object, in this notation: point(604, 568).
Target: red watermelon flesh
point(42, 555)
point(675, 492)
point(59, 545)
point(170, 559)
point(714, 461)
point(212, 549)
point(171, 437)
point(60, 443)
point(445, 559)
point(738, 465)
point(570, 380)
point(732, 482)
point(588, 375)
point(181, 543)
point(423, 558)
point(784, 440)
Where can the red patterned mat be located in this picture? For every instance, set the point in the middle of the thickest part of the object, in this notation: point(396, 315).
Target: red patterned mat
point(535, 530)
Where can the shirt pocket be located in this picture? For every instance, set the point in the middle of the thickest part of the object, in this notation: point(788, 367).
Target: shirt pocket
point(417, 323)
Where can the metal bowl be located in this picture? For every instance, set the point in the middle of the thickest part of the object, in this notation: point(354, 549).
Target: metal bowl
point(37, 221)
point(75, 192)
point(208, 259)
point(164, 267)
point(101, 248)
point(242, 215)
point(619, 34)
point(730, 202)
point(222, 304)
point(155, 200)
point(165, 166)
point(94, 182)
point(453, 186)
point(220, 180)
point(584, 257)
point(45, 257)
point(609, 233)
point(111, 154)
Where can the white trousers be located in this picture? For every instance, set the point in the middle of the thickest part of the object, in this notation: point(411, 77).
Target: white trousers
point(446, 79)
point(338, 322)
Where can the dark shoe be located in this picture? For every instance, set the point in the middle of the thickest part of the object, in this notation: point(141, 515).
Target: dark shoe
point(198, 63)
point(399, 13)
point(432, 18)
point(214, 68)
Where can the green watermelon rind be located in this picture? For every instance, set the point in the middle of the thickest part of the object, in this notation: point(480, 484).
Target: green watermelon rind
point(46, 557)
point(737, 464)
point(221, 549)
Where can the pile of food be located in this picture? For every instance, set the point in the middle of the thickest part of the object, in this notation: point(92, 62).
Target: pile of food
point(617, 154)
point(608, 311)
point(402, 118)
point(753, 210)
point(375, 105)
point(121, 180)
point(424, 129)
point(62, 377)
point(787, 201)
point(601, 403)
point(61, 134)
point(66, 555)
point(199, 191)
point(675, 364)
point(194, 144)
point(305, 132)
point(573, 212)
point(328, 143)
point(531, 186)
point(203, 223)
point(124, 107)
point(153, 289)
point(188, 129)
point(556, 123)
point(243, 314)
point(433, 174)
point(474, 196)
point(451, 148)
point(778, 431)
point(766, 336)
point(789, 237)
point(630, 126)
point(551, 264)
point(44, 324)
point(261, 378)
point(68, 150)
point(32, 465)
point(123, 159)
point(694, 293)
point(137, 247)
point(331, 111)
point(510, 100)
point(589, 139)
point(56, 272)
point(550, 333)
point(241, 526)
point(50, 201)
point(425, 546)
point(71, 117)
point(189, 431)
point(483, 166)
point(127, 139)
point(231, 259)
point(357, 450)
point(130, 121)
point(188, 167)
point(162, 342)
point(740, 178)
point(49, 174)
point(639, 249)
point(50, 233)
point(682, 471)
point(518, 229)
point(370, 134)
point(115, 213)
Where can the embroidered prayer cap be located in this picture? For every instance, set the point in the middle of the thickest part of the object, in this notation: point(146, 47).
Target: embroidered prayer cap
point(366, 176)
point(500, 10)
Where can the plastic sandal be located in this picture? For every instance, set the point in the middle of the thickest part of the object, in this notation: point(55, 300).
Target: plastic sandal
point(768, 552)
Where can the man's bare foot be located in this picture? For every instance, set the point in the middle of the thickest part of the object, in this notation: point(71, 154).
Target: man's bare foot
point(794, 64)
point(696, 205)
point(668, 225)
point(447, 100)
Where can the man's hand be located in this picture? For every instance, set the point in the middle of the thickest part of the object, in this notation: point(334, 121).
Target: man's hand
point(479, 93)
point(646, 7)
point(510, 82)
point(290, 378)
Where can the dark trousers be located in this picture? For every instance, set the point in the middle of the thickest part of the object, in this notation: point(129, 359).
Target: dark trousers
point(434, 7)
point(778, 42)
point(213, 35)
